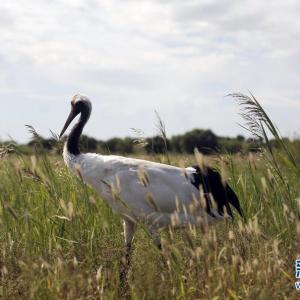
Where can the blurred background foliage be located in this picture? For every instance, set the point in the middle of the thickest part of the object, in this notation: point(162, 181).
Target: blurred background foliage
point(206, 141)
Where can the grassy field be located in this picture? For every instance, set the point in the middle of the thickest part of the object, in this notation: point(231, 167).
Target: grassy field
point(59, 240)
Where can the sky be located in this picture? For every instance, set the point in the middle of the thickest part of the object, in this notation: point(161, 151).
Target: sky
point(132, 57)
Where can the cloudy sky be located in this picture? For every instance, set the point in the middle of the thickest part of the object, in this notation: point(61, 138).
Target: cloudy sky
point(133, 57)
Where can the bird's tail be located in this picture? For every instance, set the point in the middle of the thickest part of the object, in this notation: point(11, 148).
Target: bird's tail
point(223, 195)
point(233, 199)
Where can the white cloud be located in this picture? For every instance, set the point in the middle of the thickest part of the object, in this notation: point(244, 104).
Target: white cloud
point(132, 57)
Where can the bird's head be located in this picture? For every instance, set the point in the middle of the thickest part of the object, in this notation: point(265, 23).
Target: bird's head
point(79, 104)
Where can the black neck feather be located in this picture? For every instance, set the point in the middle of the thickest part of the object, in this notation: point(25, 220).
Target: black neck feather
point(74, 136)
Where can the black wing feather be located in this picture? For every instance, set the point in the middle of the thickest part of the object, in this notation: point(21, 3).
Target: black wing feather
point(223, 195)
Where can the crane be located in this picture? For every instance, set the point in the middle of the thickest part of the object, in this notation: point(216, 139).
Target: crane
point(158, 195)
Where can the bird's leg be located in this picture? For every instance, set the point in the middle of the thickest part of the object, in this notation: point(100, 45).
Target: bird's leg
point(129, 230)
point(157, 241)
point(156, 237)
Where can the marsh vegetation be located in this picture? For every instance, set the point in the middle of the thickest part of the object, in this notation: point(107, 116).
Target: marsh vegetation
point(59, 240)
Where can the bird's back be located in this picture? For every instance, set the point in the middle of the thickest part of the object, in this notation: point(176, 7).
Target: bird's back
point(141, 188)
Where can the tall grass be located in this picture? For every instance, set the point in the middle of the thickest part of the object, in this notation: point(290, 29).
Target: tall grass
point(59, 240)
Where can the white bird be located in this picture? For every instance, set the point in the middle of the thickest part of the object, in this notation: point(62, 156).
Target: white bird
point(158, 195)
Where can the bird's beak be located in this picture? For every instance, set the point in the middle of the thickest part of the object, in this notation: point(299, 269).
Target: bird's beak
point(71, 117)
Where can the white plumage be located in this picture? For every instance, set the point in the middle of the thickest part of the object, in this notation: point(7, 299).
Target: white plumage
point(156, 194)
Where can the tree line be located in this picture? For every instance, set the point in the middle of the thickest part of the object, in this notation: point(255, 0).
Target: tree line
point(205, 141)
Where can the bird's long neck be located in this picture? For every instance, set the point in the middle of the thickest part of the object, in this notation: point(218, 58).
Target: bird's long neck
point(74, 136)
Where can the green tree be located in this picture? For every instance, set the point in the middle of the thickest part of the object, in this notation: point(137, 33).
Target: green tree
point(118, 145)
point(156, 145)
point(204, 140)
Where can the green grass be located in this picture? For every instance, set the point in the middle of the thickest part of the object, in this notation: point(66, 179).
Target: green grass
point(59, 240)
